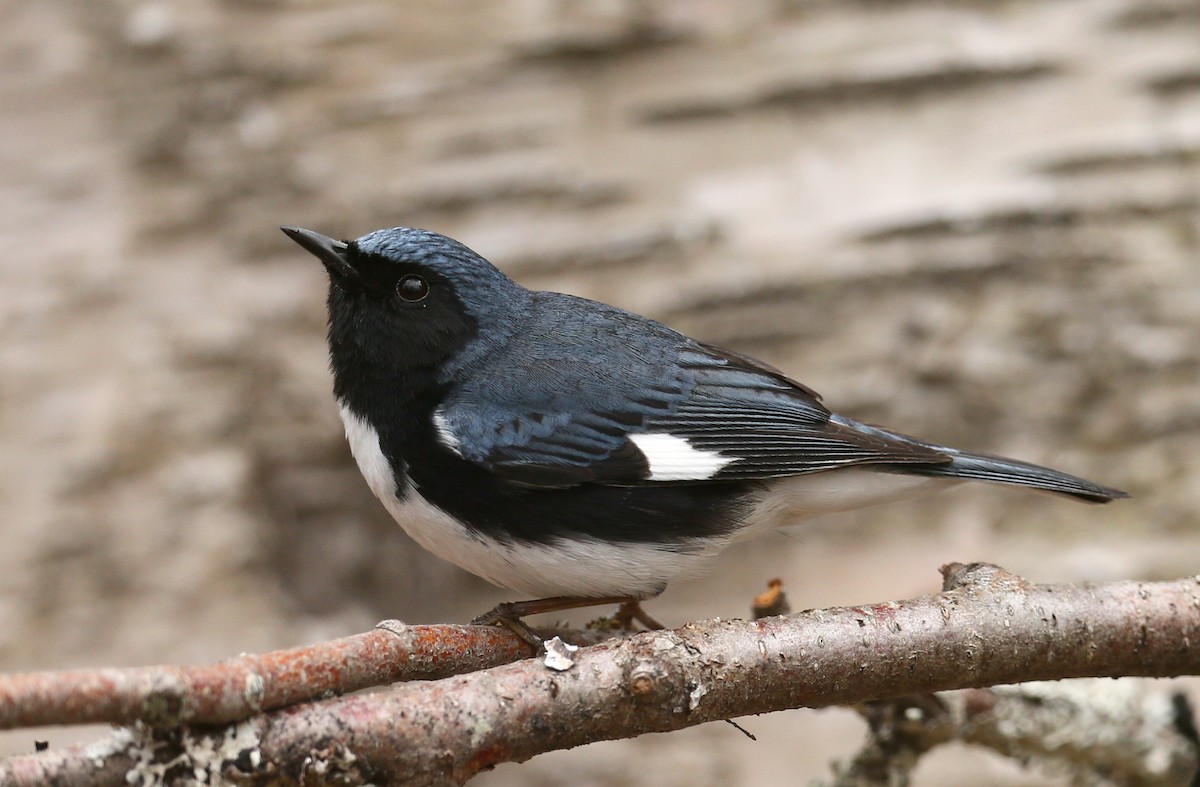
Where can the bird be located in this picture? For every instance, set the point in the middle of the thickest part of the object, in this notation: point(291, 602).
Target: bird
point(577, 453)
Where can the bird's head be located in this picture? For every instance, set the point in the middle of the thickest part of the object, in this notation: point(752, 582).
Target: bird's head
point(402, 299)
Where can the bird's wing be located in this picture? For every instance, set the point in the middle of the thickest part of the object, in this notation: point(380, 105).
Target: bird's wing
point(709, 415)
point(552, 422)
point(767, 425)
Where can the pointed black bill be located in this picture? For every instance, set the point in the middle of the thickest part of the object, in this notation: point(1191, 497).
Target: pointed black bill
point(331, 253)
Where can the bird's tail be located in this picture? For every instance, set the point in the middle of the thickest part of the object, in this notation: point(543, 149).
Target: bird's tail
point(999, 470)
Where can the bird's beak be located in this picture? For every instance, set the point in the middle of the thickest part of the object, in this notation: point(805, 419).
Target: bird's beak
point(331, 253)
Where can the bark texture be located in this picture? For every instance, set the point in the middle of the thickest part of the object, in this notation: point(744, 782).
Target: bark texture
point(166, 695)
point(987, 627)
point(1100, 733)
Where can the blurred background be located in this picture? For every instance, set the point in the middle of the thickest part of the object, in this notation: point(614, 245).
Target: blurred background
point(976, 221)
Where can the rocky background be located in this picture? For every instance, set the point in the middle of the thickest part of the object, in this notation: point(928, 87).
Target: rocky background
point(974, 221)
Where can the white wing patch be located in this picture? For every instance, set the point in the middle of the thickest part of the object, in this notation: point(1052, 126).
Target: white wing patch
point(673, 458)
point(445, 434)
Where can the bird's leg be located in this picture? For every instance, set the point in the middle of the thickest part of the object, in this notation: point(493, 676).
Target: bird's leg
point(509, 613)
point(522, 630)
point(630, 611)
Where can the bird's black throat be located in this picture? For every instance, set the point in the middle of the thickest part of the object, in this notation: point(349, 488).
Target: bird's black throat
point(390, 382)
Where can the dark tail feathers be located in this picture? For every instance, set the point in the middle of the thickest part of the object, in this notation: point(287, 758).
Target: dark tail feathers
point(994, 469)
point(999, 470)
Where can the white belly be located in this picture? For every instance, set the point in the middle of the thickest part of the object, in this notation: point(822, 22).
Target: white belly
point(567, 567)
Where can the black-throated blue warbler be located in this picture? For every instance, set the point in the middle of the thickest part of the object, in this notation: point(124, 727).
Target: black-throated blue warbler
point(575, 452)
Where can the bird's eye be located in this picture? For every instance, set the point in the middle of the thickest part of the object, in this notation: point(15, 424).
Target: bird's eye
point(412, 288)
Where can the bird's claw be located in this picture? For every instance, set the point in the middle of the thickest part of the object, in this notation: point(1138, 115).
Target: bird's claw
point(505, 615)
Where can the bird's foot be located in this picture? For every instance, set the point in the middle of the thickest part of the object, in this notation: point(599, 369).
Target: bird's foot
point(510, 613)
point(503, 615)
point(630, 611)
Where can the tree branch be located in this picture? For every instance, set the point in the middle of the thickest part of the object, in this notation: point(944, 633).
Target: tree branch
point(987, 627)
point(1103, 733)
point(167, 696)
